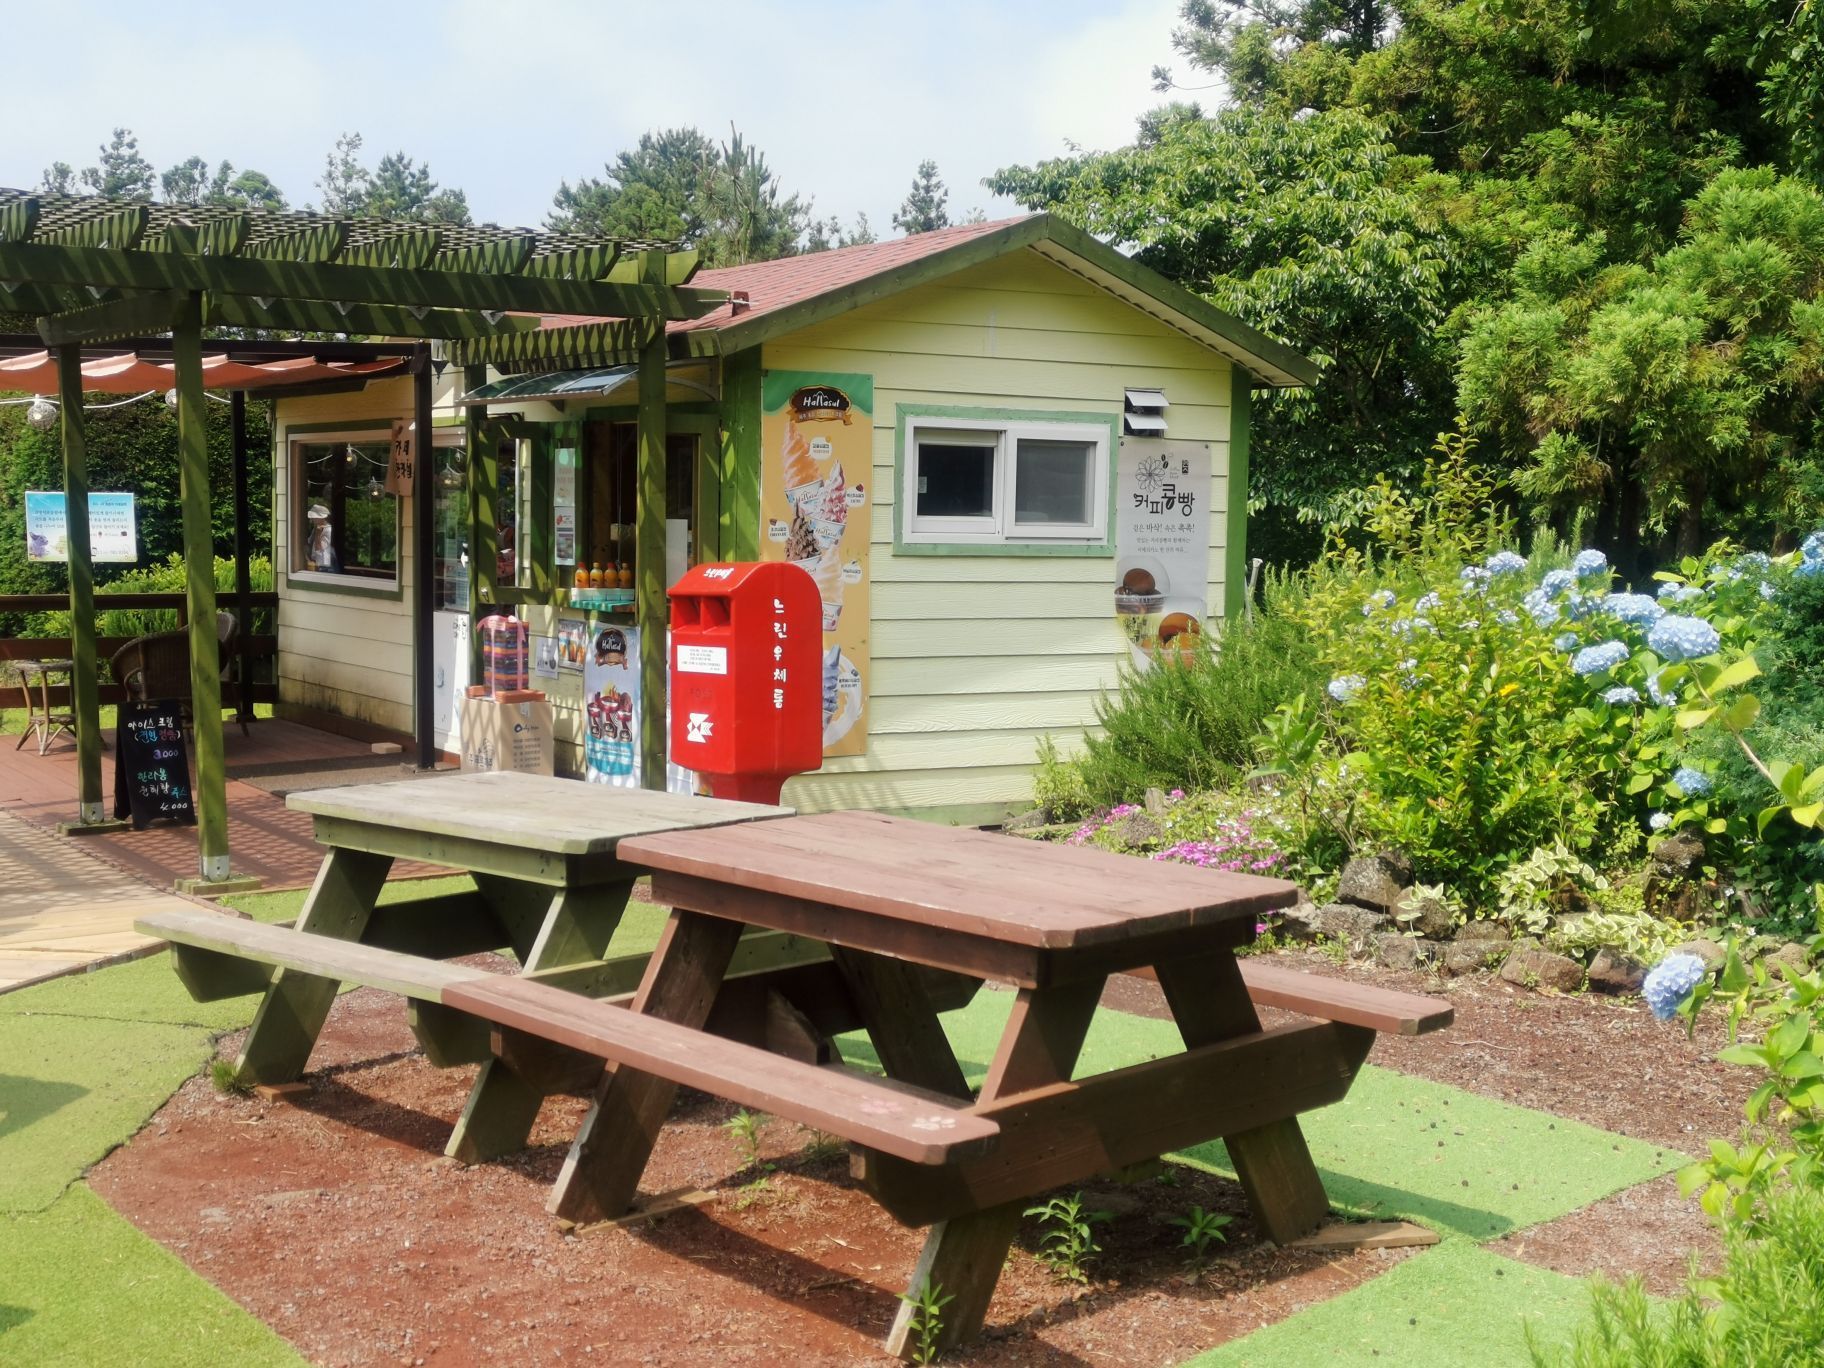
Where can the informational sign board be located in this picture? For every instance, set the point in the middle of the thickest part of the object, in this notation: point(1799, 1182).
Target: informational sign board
point(1162, 545)
point(152, 764)
point(401, 466)
point(817, 463)
point(112, 535)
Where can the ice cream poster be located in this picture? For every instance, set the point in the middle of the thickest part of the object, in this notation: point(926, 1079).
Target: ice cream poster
point(611, 707)
point(817, 466)
point(1162, 546)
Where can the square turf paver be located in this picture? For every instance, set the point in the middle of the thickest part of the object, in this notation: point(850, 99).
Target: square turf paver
point(1447, 1307)
point(79, 1286)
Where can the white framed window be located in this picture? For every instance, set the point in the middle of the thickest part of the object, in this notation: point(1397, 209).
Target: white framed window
point(977, 481)
point(344, 522)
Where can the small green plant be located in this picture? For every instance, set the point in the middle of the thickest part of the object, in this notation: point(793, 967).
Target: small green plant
point(822, 1147)
point(744, 1129)
point(1201, 1230)
point(223, 1076)
point(927, 1321)
point(1066, 1240)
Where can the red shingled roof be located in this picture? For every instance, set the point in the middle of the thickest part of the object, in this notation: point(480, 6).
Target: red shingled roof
point(772, 285)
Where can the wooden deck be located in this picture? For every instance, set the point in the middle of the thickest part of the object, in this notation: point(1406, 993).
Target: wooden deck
point(267, 840)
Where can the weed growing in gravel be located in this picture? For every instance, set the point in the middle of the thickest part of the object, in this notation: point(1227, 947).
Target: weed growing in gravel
point(927, 1322)
point(1066, 1244)
point(1201, 1230)
point(222, 1075)
point(744, 1129)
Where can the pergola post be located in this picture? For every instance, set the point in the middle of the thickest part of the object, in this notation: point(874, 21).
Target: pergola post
point(199, 586)
point(424, 601)
point(243, 572)
point(649, 558)
point(84, 694)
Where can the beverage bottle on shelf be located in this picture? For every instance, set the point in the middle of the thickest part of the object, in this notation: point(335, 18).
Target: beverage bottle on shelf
point(595, 576)
point(624, 576)
point(582, 575)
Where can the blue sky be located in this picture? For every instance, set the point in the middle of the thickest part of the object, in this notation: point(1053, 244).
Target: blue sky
point(506, 98)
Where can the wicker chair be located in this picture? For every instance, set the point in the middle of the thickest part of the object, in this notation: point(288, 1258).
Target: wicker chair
point(158, 665)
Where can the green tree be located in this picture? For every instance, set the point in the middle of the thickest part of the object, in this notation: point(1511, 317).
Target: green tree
point(923, 208)
point(192, 182)
point(344, 183)
point(825, 234)
point(403, 189)
point(1360, 278)
point(1680, 397)
point(1295, 54)
point(120, 171)
point(678, 185)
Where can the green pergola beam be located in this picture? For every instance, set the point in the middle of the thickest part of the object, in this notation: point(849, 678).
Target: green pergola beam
point(138, 315)
point(370, 320)
point(617, 343)
point(649, 554)
point(424, 288)
point(84, 692)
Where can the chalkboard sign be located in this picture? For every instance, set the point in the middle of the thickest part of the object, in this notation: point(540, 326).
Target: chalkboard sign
point(152, 764)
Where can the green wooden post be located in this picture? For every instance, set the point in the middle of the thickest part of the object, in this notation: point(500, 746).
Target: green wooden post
point(649, 553)
point(84, 700)
point(1235, 558)
point(199, 589)
point(740, 505)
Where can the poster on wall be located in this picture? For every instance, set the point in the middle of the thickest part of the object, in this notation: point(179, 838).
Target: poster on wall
point(1162, 546)
point(817, 450)
point(563, 506)
point(611, 707)
point(112, 537)
point(572, 644)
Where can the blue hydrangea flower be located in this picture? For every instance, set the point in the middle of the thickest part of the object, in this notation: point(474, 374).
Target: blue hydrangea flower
point(1670, 982)
point(1408, 674)
point(1581, 606)
point(1344, 687)
point(1472, 625)
point(1749, 563)
point(1621, 695)
point(1679, 593)
point(1475, 576)
point(1596, 659)
point(1812, 548)
point(1507, 617)
point(1768, 592)
point(1427, 602)
point(1404, 628)
point(1565, 641)
point(1556, 582)
point(1674, 638)
point(1638, 609)
point(1658, 694)
point(1380, 598)
point(1692, 783)
point(1509, 562)
point(1540, 607)
point(1659, 821)
point(1805, 569)
point(1588, 563)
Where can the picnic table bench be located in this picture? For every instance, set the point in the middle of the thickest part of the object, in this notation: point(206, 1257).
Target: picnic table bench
point(787, 930)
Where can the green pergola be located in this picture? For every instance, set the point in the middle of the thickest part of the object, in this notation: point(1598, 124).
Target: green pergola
point(92, 269)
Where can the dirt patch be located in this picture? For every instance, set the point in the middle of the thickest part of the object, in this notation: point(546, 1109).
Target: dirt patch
point(1647, 1231)
point(339, 1223)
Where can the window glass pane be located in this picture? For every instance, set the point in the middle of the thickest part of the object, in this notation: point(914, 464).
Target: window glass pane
point(1051, 481)
point(955, 480)
point(348, 524)
point(450, 535)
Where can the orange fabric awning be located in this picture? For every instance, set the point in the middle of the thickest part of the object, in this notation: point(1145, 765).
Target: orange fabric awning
point(127, 373)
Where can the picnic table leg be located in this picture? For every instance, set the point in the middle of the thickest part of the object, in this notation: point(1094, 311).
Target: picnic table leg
point(577, 924)
point(1210, 1002)
point(963, 1257)
point(292, 1013)
point(896, 1012)
point(602, 1172)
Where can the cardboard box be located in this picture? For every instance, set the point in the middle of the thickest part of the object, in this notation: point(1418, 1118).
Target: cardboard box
point(507, 736)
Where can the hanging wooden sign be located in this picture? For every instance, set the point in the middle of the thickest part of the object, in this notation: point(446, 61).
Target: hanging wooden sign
point(400, 465)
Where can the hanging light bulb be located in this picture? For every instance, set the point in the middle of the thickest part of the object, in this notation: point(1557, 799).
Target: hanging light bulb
point(42, 415)
point(171, 398)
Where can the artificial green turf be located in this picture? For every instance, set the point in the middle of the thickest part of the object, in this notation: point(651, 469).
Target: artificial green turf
point(79, 1286)
point(1447, 1307)
point(1396, 1147)
point(72, 1088)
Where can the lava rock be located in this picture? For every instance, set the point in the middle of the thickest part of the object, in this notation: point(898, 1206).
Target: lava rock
point(1791, 953)
point(1543, 969)
point(1137, 831)
point(1427, 915)
point(1461, 957)
point(1037, 819)
point(1375, 881)
point(1680, 856)
point(1395, 950)
point(1706, 950)
point(1340, 921)
point(1613, 972)
point(1484, 932)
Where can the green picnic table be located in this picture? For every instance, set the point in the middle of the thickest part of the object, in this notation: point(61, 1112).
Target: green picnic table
point(549, 885)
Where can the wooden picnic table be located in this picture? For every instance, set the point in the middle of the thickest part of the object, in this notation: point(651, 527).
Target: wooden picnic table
point(551, 886)
point(890, 895)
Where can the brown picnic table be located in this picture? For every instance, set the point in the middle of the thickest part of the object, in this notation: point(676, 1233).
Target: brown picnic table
point(896, 899)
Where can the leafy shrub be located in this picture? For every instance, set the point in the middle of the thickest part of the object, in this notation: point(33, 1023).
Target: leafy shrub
point(1193, 725)
point(166, 577)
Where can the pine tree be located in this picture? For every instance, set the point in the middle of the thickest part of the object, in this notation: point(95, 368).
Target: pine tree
point(923, 209)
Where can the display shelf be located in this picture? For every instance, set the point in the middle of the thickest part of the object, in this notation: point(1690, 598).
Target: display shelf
point(601, 600)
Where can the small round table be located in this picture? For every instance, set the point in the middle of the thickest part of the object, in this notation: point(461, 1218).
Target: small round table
point(40, 717)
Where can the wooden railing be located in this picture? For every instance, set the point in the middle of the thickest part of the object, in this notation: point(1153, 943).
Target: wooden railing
point(256, 653)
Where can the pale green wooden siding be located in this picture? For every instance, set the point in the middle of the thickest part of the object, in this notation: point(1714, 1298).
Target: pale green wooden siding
point(976, 657)
point(342, 653)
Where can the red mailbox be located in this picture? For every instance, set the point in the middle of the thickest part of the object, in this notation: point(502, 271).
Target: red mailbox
point(746, 677)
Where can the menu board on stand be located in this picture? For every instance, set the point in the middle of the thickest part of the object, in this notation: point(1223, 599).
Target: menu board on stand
point(152, 764)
